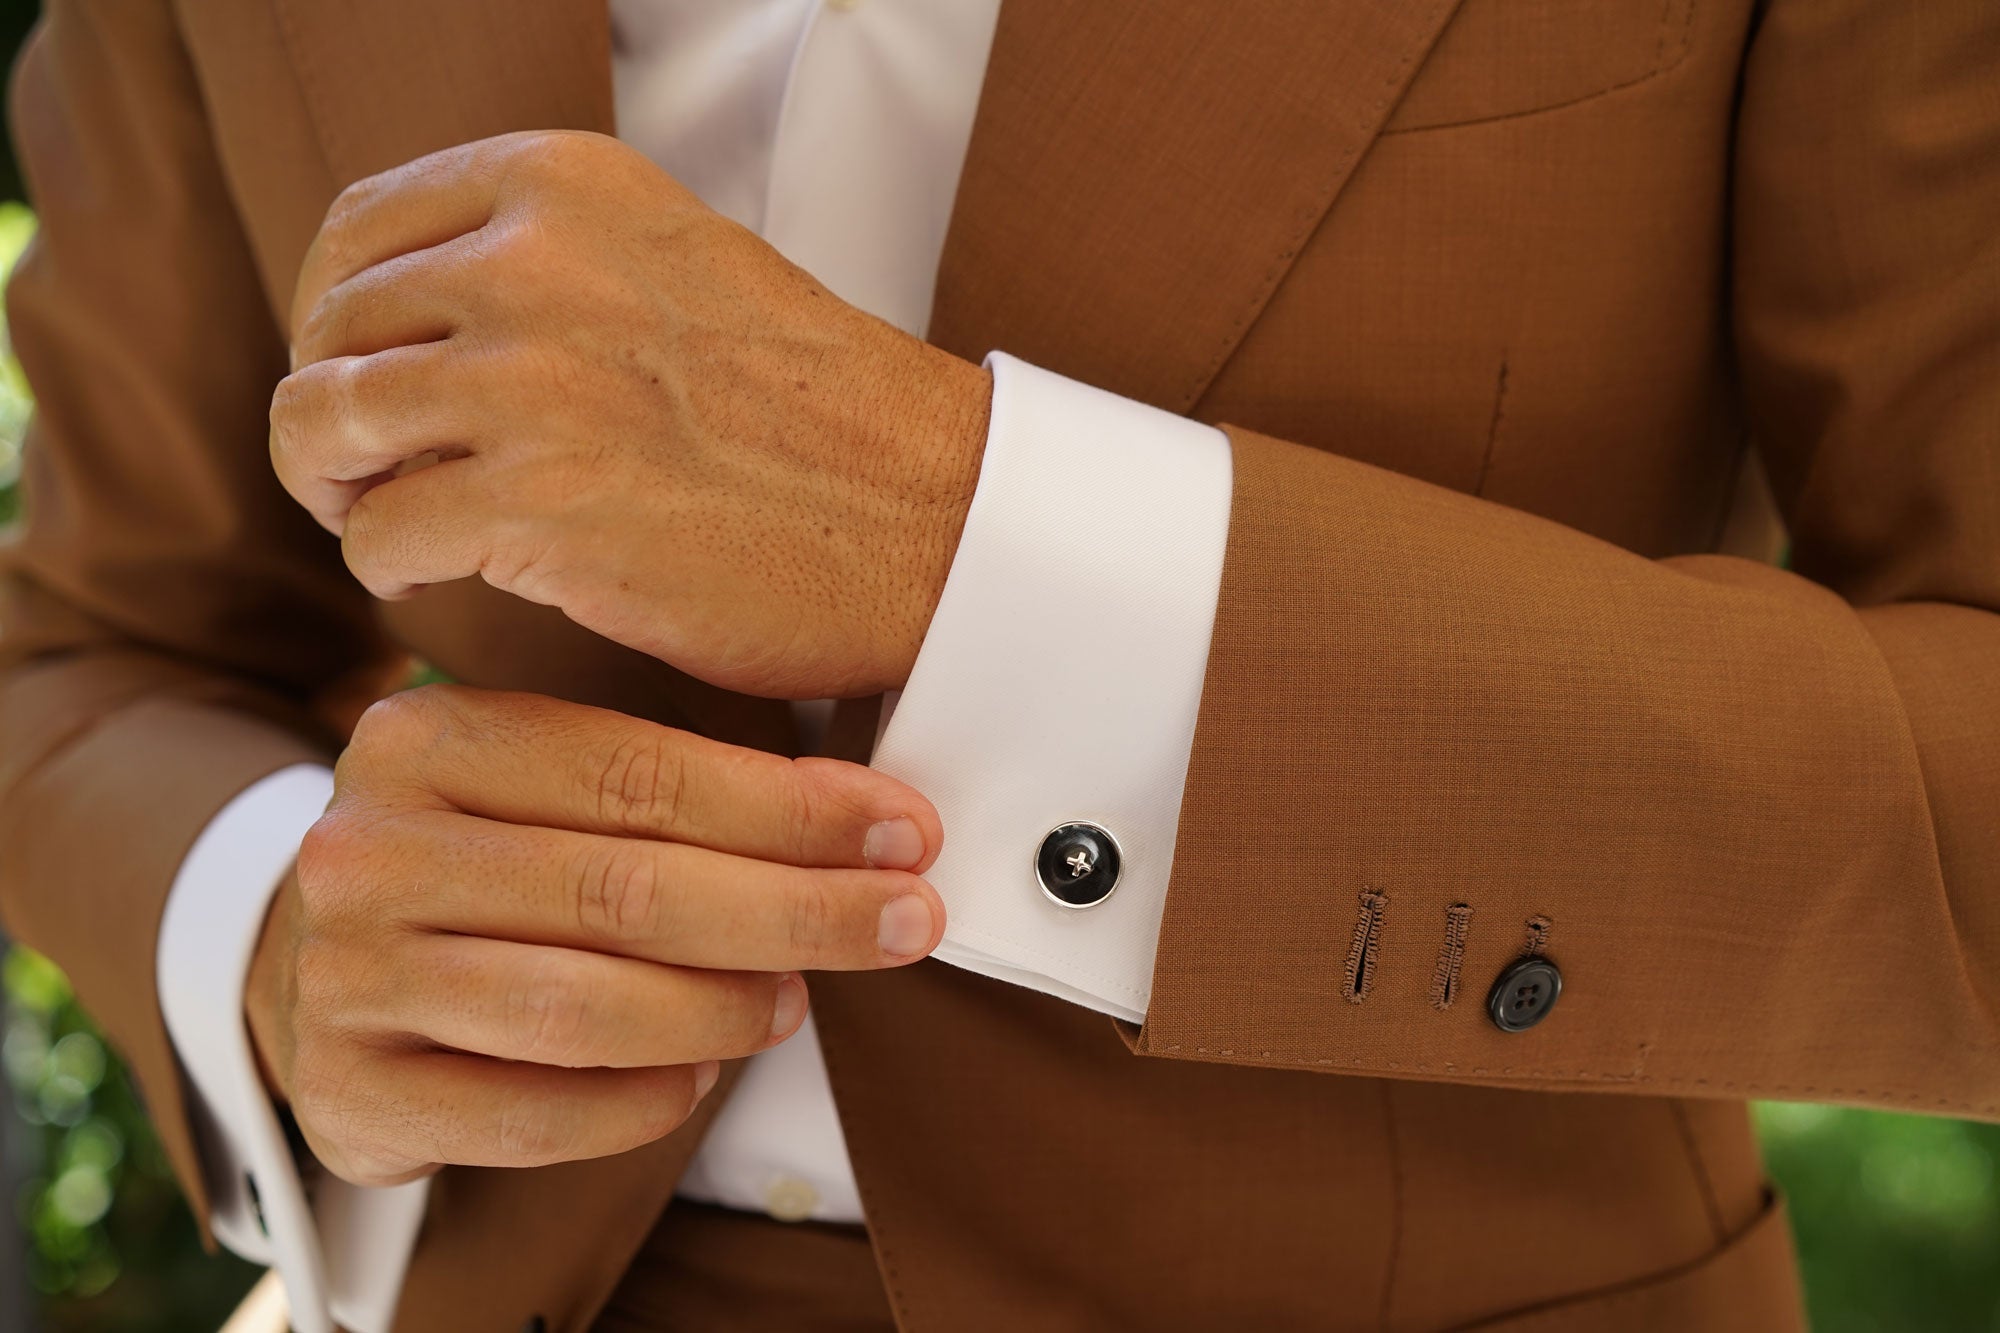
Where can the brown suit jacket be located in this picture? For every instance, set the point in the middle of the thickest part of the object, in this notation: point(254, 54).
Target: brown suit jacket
point(1498, 295)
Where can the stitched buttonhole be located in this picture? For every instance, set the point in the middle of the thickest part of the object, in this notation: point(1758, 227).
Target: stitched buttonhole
point(1538, 936)
point(1444, 981)
point(1359, 978)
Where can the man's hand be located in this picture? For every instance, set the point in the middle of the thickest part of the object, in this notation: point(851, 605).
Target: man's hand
point(646, 417)
point(525, 931)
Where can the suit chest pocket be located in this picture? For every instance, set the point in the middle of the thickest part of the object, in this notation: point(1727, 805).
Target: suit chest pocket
point(1502, 58)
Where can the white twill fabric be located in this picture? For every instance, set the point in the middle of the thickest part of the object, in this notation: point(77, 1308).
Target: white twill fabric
point(1062, 675)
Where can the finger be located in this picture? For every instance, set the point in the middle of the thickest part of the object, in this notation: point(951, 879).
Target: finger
point(339, 427)
point(412, 207)
point(472, 1110)
point(577, 1009)
point(663, 902)
point(410, 531)
point(528, 759)
point(418, 297)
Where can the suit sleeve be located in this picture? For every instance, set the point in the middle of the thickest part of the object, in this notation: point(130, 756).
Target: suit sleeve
point(1752, 815)
point(171, 628)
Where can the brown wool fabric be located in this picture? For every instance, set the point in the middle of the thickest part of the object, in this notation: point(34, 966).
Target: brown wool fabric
point(1530, 324)
point(728, 1272)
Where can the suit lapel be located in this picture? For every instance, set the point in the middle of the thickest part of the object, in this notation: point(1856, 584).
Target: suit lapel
point(389, 80)
point(1142, 175)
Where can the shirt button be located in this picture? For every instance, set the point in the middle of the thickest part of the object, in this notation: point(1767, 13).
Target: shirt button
point(1523, 994)
point(1077, 865)
point(790, 1199)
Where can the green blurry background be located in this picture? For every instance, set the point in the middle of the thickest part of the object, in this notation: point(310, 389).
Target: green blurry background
point(1898, 1217)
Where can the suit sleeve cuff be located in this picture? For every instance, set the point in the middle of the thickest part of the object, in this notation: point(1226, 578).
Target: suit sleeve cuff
point(1061, 677)
point(341, 1251)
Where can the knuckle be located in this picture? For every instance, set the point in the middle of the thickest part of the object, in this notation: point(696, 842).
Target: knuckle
point(315, 968)
point(329, 868)
point(349, 204)
point(359, 534)
point(642, 780)
point(620, 892)
point(330, 1096)
point(378, 552)
point(519, 244)
point(326, 849)
point(530, 1133)
point(381, 726)
point(328, 988)
point(800, 815)
point(555, 1015)
point(315, 329)
point(315, 1098)
point(288, 404)
point(812, 918)
point(401, 722)
point(300, 406)
point(823, 799)
point(361, 1126)
point(551, 151)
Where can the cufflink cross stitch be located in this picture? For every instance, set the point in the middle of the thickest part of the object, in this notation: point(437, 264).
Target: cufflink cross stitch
point(1077, 864)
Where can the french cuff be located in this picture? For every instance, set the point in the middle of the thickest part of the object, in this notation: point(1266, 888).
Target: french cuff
point(342, 1251)
point(1059, 683)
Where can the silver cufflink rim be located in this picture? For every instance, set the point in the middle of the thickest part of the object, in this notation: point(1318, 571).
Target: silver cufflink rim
point(1098, 830)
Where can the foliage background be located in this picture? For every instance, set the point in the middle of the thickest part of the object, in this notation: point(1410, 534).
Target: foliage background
point(1898, 1217)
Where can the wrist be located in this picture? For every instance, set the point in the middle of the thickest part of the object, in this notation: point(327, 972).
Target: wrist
point(951, 420)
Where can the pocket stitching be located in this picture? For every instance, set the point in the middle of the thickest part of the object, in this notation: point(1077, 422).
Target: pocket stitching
point(1661, 65)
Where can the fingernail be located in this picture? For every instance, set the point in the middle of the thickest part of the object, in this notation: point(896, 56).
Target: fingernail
point(894, 844)
point(790, 1008)
point(906, 926)
point(705, 1075)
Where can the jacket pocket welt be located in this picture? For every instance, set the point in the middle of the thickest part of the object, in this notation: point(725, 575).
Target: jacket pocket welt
point(1748, 1284)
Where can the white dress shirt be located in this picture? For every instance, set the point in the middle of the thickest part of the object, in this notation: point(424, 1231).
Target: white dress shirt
point(837, 131)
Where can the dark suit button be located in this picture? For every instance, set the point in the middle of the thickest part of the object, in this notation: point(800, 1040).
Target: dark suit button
point(1077, 865)
point(1524, 994)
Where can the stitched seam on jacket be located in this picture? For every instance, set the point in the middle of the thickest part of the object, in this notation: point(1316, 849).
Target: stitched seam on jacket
point(1451, 956)
point(1358, 977)
point(1735, 1089)
point(1537, 942)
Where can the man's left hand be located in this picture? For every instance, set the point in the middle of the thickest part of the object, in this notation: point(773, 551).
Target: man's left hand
point(639, 412)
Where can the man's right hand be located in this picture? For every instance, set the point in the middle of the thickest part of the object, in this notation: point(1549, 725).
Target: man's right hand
point(526, 931)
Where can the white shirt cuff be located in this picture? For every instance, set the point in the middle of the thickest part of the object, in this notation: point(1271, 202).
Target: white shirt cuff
point(1061, 678)
point(342, 1253)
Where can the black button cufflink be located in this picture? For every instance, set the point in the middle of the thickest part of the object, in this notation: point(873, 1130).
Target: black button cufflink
point(1077, 865)
point(1524, 993)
